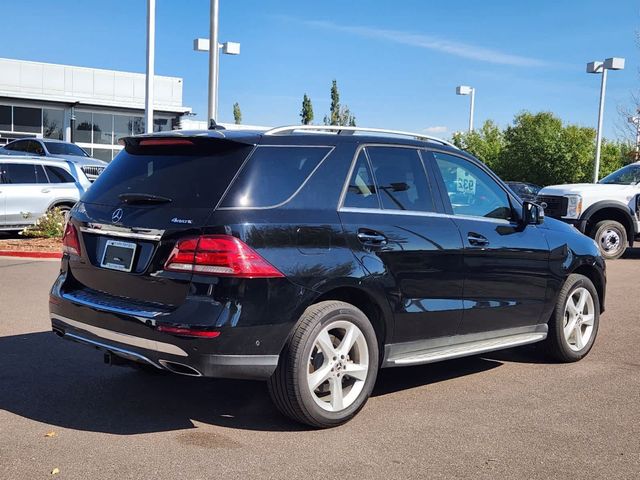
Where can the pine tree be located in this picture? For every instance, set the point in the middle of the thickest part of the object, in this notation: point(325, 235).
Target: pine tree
point(237, 114)
point(307, 110)
point(338, 115)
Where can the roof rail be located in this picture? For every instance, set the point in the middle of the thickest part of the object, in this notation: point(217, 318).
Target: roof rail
point(340, 130)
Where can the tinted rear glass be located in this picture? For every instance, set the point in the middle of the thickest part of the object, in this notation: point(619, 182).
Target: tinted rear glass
point(23, 173)
point(192, 179)
point(56, 148)
point(272, 175)
point(58, 175)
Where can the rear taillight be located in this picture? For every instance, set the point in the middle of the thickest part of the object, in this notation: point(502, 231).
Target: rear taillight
point(219, 255)
point(187, 332)
point(70, 240)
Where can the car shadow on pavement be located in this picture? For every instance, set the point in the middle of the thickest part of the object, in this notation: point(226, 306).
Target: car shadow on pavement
point(631, 254)
point(52, 381)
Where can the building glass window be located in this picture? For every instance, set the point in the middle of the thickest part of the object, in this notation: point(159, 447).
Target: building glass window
point(122, 125)
point(103, 154)
point(103, 128)
point(52, 123)
point(82, 128)
point(5, 118)
point(161, 124)
point(137, 125)
point(26, 119)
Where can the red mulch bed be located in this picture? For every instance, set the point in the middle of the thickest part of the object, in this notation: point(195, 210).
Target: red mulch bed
point(20, 244)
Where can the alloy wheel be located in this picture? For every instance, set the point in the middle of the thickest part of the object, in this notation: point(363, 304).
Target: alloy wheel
point(338, 365)
point(579, 315)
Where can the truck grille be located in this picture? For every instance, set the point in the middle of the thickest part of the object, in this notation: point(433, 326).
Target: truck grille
point(92, 171)
point(556, 207)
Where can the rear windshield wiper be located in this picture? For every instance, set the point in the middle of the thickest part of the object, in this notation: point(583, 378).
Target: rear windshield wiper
point(133, 198)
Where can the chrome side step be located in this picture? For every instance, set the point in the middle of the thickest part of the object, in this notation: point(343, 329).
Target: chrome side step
point(465, 349)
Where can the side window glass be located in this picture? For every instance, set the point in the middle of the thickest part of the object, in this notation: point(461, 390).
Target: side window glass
point(41, 177)
point(36, 148)
point(472, 191)
point(361, 192)
point(401, 179)
point(20, 173)
point(19, 146)
point(58, 175)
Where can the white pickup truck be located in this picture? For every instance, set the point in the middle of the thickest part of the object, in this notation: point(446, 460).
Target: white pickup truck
point(607, 211)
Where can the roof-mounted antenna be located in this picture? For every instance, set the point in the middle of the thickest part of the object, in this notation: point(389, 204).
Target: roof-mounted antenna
point(214, 126)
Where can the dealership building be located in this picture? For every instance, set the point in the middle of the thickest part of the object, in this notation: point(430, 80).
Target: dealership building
point(87, 106)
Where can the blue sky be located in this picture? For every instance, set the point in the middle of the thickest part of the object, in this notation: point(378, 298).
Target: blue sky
point(397, 63)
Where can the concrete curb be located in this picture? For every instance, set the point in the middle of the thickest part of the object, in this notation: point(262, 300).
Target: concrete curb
point(29, 254)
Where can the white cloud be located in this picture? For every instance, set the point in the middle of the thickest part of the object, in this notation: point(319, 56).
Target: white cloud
point(459, 49)
point(436, 129)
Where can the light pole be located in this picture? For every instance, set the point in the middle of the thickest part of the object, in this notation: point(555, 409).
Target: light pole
point(151, 53)
point(466, 90)
point(613, 63)
point(228, 48)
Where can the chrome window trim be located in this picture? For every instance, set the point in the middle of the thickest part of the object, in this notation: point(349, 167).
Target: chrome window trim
point(418, 213)
point(284, 202)
point(110, 230)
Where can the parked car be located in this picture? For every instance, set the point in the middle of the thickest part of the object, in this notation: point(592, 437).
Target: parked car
point(31, 186)
point(607, 211)
point(92, 167)
point(310, 257)
point(526, 191)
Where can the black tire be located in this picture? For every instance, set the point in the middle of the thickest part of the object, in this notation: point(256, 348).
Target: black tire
point(556, 343)
point(288, 386)
point(610, 232)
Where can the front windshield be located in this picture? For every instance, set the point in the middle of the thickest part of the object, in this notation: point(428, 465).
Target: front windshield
point(629, 175)
point(56, 148)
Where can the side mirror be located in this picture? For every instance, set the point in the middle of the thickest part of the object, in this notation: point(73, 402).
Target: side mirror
point(532, 214)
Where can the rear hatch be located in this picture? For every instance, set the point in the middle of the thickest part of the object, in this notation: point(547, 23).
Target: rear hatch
point(157, 190)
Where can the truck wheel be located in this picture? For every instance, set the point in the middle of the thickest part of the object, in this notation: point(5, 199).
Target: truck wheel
point(611, 237)
point(329, 366)
point(574, 323)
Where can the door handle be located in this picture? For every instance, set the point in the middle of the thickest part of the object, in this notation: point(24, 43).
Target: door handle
point(45, 190)
point(477, 240)
point(369, 237)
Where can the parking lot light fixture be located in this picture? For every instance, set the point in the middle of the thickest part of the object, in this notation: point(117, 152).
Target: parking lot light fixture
point(613, 63)
point(228, 48)
point(466, 90)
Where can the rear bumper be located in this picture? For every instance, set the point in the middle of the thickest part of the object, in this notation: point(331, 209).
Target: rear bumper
point(243, 350)
point(165, 356)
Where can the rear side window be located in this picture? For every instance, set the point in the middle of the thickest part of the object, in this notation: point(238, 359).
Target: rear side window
point(273, 175)
point(58, 175)
point(23, 173)
point(361, 192)
point(194, 177)
point(401, 179)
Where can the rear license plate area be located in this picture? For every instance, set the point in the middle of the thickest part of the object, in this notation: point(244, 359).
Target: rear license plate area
point(118, 255)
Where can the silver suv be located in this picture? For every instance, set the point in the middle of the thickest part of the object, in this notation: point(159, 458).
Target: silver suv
point(92, 167)
point(30, 186)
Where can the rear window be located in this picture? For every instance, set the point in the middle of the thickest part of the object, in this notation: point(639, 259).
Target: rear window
point(58, 175)
point(59, 148)
point(190, 177)
point(273, 175)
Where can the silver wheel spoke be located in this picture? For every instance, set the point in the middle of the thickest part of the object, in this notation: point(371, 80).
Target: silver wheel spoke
point(570, 328)
point(571, 306)
point(349, 339)
point(582, 301)
point(357, 371)
point(325, 345)
point(318, 377)
point(588, 320)
point(578, 337)
point(337, 396)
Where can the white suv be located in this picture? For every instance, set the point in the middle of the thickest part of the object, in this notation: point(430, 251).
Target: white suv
point(607, 211)
point(30, 186)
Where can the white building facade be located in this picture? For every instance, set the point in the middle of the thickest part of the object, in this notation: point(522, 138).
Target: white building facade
point(87, 106)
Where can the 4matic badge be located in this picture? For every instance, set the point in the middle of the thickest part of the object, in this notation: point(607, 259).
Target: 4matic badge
point(181, 220)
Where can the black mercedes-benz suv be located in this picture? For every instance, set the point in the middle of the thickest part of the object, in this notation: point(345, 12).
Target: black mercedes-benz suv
point(311, 257)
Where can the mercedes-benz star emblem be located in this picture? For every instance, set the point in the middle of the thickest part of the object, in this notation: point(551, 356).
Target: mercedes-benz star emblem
point(544, 205)
point(116, 216)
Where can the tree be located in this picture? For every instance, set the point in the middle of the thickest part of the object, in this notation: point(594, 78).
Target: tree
point(306, 114)
point(237, 114)
point(486, 143)
point(338, 115)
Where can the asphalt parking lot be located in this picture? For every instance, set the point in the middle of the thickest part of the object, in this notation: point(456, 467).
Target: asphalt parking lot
point(504, 415)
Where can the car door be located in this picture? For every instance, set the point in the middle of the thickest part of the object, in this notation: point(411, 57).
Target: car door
point(3, 217)
point(27, 193)
point(396, 229)
point(506, 264)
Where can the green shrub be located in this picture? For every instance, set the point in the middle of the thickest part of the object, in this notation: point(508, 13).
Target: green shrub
point(49, 225)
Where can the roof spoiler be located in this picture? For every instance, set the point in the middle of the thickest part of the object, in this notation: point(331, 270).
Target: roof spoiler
point(186, 141)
